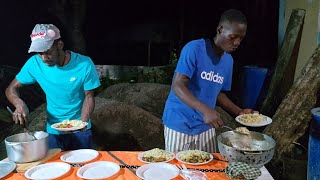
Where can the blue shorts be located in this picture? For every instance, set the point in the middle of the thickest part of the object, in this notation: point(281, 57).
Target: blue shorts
point(73, 141)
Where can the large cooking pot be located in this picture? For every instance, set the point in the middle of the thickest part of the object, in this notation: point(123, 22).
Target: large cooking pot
point(23, 148)
point(255, 149)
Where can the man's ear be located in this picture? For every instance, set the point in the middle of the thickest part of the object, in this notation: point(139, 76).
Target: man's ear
point(219, 29)
point(60, 44)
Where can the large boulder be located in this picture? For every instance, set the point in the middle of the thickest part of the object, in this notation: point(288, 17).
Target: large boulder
point(148, 96)
point(120, 126)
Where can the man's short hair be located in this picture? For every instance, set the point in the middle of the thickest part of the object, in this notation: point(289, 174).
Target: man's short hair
point(233, 15)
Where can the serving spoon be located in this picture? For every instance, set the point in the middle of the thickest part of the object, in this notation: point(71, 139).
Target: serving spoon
point(240, 130)
point(24, 129)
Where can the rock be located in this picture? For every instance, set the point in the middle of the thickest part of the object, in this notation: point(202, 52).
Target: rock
point(148, 96)
point(120, 126)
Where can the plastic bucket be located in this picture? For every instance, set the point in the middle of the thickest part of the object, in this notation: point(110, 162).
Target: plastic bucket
point(251, 84)
point(314, 146)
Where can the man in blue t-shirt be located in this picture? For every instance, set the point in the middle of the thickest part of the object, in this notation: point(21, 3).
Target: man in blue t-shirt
point(68, 80)
point(203, 71)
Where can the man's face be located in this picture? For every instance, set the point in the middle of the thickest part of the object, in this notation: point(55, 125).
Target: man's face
point(230, 35)
point(50, 57)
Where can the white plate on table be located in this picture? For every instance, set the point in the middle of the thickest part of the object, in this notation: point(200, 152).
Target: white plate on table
point(98, 170)
point(157, 171)
point(265, 121)
point(55, 126)
point(195, 164)
point(6, 167)
point(48, 171)
point(79, 156)
point(141, 155)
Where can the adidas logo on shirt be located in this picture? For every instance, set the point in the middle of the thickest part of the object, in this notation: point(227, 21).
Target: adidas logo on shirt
point(210, 76)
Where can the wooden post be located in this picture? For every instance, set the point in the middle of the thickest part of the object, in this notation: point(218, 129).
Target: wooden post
point(292, 117)
point(280, 83)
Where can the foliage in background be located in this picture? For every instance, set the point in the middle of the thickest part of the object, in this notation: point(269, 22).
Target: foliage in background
point(155, 74)
point(106, 82)
point(173, 61)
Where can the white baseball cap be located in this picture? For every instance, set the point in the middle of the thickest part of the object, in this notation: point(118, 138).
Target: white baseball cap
point(43, 36)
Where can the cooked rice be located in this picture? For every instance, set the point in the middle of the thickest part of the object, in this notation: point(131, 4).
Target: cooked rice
point(74, 123)
point(194, 156)
point(252, 118)
point(242, 130)
point(156, 155)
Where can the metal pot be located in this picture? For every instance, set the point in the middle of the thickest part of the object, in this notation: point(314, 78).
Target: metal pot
point(22, 148)
point(255, 149)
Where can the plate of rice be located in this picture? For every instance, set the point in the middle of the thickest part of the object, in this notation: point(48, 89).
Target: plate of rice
point(69, 125)
point(156, 155)
point(253, 120)
point(194, 157)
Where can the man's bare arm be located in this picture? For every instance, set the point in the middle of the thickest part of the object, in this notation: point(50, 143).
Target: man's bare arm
point(88, 105)
point(224, 102)
point(21, 112)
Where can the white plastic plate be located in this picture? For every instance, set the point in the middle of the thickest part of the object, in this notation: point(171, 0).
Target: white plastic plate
point(54, 126)
point(79, 156)
point(157, 171)
point(98, 170)
point(6, 167)
point(47, 171)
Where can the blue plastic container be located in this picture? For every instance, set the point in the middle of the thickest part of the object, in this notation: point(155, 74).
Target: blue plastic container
point(314, 146)
point(252, 81)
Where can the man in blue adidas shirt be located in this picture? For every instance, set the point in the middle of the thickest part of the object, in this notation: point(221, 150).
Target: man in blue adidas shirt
point(203, 71)
point(68, 80)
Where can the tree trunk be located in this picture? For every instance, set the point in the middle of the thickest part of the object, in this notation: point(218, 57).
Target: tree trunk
point(79, 11)
point(283, 75)
point(71, 14)
point(292, 118)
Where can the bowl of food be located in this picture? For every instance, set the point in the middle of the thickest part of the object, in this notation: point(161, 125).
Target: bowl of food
point(255, 149)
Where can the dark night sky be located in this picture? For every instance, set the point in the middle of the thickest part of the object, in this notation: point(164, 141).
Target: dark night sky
point(117, 32)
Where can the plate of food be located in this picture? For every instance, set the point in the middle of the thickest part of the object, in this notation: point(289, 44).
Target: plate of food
point(253, 120)
point(155, 155)
point(194, 157)
point(69, 125)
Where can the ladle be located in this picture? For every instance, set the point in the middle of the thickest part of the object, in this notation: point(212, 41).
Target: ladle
point(25, 129)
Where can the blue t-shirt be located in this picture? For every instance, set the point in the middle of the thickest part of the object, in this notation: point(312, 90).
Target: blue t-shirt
point(64, 86)
point(208, 76)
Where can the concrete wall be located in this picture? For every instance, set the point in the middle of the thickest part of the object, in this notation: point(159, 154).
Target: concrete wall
point(309, 39)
